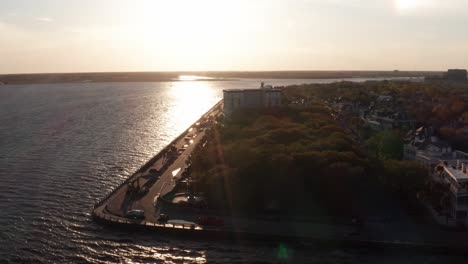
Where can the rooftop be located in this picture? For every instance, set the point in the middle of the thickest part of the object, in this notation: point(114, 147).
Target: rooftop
point(456, 174)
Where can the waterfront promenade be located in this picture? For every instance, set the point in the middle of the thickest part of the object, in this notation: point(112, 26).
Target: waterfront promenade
point(156, 178)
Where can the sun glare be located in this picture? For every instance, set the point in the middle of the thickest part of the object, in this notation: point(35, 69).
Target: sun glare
point(187, 78)
point(191, 78)
point(185, 34)
point(188, 27)
point(190, 99)
point(407, 5)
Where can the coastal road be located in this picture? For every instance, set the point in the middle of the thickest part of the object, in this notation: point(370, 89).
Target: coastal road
point(120, 202)
point(168, 179)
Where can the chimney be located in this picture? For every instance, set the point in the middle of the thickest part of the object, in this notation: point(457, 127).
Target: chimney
point(463, 167)
point(458, 164)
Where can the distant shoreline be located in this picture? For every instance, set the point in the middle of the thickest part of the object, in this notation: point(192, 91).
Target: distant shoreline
point(98, 77)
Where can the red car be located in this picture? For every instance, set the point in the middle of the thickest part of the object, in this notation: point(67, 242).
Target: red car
point(210, 221)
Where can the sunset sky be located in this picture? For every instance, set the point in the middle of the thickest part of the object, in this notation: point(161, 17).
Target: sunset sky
point(156, 35)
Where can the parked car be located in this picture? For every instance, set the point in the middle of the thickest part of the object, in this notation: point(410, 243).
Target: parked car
point(155, 200)
point(163, 218)
point(154, 172)
point(136, 214)
point(210, 221)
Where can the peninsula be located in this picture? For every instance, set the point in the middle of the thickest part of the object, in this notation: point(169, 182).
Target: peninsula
point(297, 162)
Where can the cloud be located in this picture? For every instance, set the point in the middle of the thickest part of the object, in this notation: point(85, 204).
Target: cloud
point(45, 19)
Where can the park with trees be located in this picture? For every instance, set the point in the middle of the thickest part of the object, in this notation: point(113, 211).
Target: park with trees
point(298, 161)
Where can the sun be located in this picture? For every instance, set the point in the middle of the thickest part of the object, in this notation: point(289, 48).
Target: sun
point(407, 4)
point(190, 31)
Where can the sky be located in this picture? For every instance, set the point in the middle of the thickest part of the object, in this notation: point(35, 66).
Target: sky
point(237, 35)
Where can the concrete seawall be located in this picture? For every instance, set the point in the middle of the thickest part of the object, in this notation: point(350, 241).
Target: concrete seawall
point(187, 231)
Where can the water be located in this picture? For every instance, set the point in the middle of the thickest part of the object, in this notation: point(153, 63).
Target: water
point(63, 146)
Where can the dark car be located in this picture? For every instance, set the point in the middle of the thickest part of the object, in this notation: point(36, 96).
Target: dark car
point(163, 218)
point(136, 214)
point(154, 172)
point(210, 221)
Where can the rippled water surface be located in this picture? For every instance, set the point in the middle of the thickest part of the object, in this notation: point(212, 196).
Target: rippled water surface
point(63, 146)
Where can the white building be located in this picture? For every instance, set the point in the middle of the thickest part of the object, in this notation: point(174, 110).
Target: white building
point(429, 153)
point(456, 177)
point(446, 166)
point(265, 97)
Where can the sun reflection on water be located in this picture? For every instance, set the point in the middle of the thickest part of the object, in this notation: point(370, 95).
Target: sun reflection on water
point(162, 254)
point(192, 78)
point(190, 99)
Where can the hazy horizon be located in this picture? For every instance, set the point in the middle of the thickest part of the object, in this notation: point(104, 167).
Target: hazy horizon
point(52, 36)
point(218, 71)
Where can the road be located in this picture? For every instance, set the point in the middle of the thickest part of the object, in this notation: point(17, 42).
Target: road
point(121, 202)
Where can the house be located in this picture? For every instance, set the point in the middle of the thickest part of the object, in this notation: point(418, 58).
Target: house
point(385, 112)
point(300, 103)
point(446, 166)
point(427, 149)
point(385, 98)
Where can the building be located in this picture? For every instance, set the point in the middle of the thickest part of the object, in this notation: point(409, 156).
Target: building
point(429, 153)
point(387, 120)
point(428, 150)
point(386, 112)
point(456, 177)
point(265, 97)
point(385, 98)
point(446, 166)
point(456, 75)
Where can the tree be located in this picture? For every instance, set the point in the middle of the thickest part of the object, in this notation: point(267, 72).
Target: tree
point(386, 145)
point(406, 177)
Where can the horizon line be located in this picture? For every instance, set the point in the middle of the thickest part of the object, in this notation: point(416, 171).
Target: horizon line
point(219, 71)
